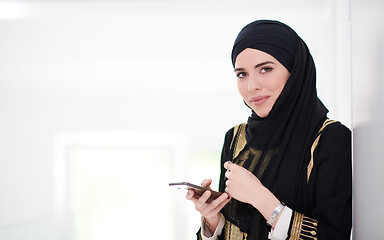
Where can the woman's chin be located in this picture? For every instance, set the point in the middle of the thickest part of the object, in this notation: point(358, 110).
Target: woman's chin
point(261, 114)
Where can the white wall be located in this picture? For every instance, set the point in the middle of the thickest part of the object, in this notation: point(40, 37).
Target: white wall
point(86, 67)
point(368, 117)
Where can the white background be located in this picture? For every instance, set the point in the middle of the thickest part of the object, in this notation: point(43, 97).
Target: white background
point(97, 68)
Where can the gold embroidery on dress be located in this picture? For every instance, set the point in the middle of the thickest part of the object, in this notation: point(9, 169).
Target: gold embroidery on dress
point(296, 226)
point(240, 140)
point(314, 145)
point(265, 162)
point(256, 157)
point(232, 232)
point(303, 227)
point(250, 153)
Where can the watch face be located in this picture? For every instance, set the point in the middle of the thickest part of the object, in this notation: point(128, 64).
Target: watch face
point(275, 213)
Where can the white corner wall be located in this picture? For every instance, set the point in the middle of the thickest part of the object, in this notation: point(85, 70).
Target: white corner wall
point(368, 117)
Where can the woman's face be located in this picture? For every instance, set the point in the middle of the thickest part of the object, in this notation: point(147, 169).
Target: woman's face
point(260, 79)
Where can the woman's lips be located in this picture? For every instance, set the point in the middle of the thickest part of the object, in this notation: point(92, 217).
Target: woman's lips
point(259, 100)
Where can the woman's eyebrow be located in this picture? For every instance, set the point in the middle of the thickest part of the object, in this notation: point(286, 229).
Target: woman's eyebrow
point(256, 66)
point(264, 63)
point(238, 69)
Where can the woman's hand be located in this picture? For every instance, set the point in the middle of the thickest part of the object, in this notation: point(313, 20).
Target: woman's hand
point(243, 186)
point(210, 211)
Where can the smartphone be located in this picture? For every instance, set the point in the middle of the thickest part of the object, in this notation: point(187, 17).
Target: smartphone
point(198, 189)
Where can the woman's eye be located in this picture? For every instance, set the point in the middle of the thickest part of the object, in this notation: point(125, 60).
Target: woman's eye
point(241, 75)
point(266, 69)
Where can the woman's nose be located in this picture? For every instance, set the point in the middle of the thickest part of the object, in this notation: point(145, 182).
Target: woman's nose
point(254, 83)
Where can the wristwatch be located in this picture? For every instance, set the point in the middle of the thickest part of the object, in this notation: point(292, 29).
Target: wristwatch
point(275, 213)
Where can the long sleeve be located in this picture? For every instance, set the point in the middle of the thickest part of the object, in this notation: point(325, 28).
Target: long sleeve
point(205, 232)
point(330, 188)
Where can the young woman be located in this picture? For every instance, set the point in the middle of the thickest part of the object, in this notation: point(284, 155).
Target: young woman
point(287, 172)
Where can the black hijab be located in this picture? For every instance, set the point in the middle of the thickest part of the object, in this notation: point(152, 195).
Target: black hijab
point(290, 127)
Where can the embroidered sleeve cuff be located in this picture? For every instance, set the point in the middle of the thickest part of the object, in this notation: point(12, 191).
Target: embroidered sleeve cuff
point(206, 234)
point(303, 227)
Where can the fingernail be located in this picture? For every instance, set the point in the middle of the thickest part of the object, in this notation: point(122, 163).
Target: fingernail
point(226, 164)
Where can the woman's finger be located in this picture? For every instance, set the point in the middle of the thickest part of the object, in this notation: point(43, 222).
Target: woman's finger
point(206, 183)
point(227, 190)
point(214, 207)
point(202, 201)
point(218, 200)
point(222, 204)
point(190, 194)
point(226, 164)
point(227, 173)
point(227, 183)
